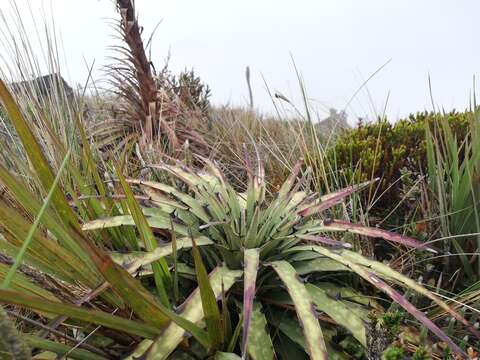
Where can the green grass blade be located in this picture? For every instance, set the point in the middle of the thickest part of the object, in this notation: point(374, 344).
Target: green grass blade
point(33, 228)
point(235, 335)
point(175, 262)
point(209, 302)
point(23, 284)
point(74, 312)
point(160, 268)
point(305, 309)
point(50, 220)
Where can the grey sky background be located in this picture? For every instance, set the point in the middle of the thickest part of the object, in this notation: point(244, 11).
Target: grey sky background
point(336, 44)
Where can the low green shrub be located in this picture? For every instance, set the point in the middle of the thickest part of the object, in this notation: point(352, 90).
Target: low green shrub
point(394, 353)
point(394, 152)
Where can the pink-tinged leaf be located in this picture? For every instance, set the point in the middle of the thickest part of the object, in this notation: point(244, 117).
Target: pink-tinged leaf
point(255, 179)
point(329, 200)
point(214, 169)
point(325, 241)
point(420, 316)
point(290, 182)
point(340, 225)
point(251, 260)
point(260, 177)
point(248, 164)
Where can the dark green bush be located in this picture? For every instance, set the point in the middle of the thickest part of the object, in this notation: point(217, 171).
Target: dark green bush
point(388, 151)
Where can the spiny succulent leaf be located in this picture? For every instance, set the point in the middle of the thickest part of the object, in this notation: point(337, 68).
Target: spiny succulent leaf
point(420, 316)
point(251, 263)
point(134, 260)
point(318, 265)
point(332, 199)
point(190, 310)
point(156, 222)
point(193, 204)
point(304, 308)
point(385, 271)
point(260, 346)
point(339, 312)
point(325, 241)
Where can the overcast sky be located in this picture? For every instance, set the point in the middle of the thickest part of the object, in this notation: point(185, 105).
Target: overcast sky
point(336, 44)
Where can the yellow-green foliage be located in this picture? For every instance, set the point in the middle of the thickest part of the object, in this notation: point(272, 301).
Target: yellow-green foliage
point(386, 150)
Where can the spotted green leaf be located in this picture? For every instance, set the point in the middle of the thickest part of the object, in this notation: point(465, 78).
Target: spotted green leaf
point(305, 309)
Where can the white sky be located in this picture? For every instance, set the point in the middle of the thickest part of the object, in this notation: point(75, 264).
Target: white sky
point(336, 44)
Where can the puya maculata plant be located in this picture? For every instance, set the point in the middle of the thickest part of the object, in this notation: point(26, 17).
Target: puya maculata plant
point(280, 269)
point(269, 261)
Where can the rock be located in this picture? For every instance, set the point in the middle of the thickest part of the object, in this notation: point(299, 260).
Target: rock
point(44, 86)
point(334, 123)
